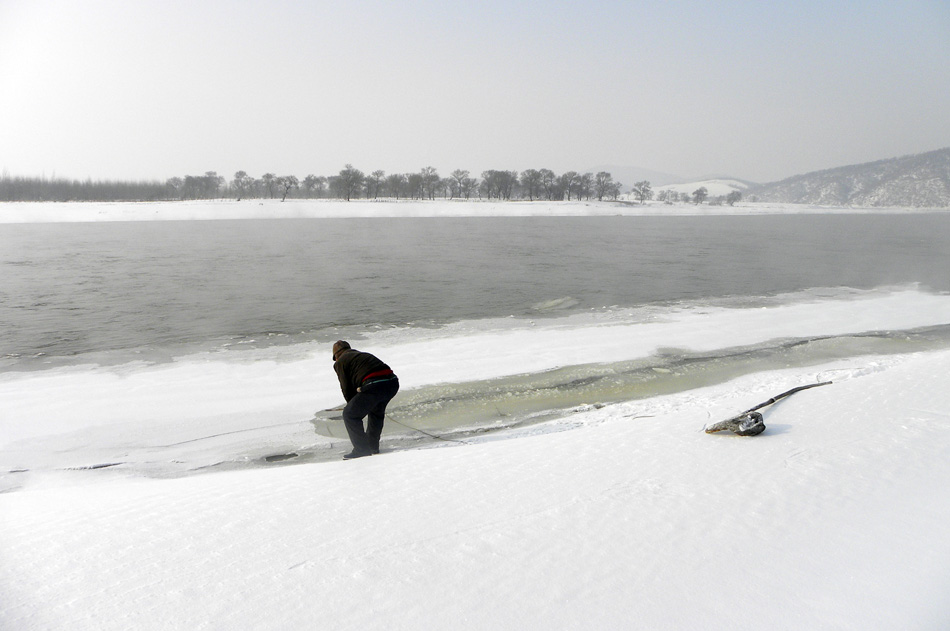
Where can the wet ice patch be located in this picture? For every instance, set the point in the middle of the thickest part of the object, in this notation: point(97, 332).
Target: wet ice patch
point(556, 304)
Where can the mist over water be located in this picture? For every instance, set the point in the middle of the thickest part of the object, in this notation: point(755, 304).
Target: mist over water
point(73, 289)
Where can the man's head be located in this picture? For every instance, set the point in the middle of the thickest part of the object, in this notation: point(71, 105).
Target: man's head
point(339, 347)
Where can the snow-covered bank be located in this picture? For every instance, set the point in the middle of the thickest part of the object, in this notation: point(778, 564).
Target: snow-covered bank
point(155, 418)
point(54, 212)
point(834, 518)
point(615, 516)
point(137, 488)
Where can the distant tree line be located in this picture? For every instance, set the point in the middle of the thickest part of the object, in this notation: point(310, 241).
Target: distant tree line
point(25, 189)
point(699, 196)
point(350, 183)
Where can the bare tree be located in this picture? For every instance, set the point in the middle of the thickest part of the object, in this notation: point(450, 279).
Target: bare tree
point(396, 183)
point(204, 186)
point(210, 184)
point(430, 181)
point(499, 184)
point(287, 183)
point(531, 183)
point(374, 183)
point(350, 181)
point(176, 187)
point(415, 187)
point(568, 183)
point(549, 184)
point(270, 183)
point(446, 187)
point(615, 189)
point(509, 180)
point(242, 184)
point(585, 186)
point(314, 184)
point(458, 181)
point(469, 187)
point(643, 191)
point(603, 182)
point(700, 195)
point(191, 188)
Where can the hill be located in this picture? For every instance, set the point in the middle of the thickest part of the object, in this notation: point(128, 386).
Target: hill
point(628, 175)
point(921, 180)
point(718, 187)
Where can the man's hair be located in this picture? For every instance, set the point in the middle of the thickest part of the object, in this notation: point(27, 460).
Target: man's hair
point(339, 347)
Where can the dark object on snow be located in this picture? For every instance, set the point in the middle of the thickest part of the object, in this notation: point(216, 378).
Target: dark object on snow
point(747, 424)
point(750, 423)
point(279, 457)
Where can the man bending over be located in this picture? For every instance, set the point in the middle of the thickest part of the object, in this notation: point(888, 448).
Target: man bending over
point(368, 386)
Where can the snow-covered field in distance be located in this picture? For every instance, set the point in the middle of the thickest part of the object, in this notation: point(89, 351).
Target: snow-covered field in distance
point(42, 212)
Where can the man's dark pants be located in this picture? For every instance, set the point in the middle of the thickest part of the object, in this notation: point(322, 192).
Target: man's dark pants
point(371, 401)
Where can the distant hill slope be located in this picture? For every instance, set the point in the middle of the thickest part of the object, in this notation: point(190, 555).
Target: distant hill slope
point(628, 176)
point(921, 180)
point(719, 187)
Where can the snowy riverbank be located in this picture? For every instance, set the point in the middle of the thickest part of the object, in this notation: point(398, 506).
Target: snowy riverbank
point(45, 212)
point(625, 515)
point(634, 518)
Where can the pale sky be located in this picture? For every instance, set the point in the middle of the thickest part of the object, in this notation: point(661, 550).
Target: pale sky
point(756, 89)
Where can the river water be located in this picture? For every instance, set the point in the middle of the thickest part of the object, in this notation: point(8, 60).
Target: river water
point(71, 291)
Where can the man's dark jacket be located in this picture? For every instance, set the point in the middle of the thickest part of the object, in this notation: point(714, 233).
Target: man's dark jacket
point(353, 367)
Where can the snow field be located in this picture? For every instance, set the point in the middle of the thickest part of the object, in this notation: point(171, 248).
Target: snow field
point(833, 518)
point(623, 516)
point(46, 212)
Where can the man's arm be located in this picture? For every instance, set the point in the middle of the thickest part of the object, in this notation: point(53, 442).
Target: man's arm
point(348, 391)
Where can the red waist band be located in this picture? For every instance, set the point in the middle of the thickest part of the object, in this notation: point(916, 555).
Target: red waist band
point(380, 373)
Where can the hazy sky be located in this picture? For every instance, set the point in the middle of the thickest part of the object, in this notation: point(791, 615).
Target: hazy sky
point(761, 90)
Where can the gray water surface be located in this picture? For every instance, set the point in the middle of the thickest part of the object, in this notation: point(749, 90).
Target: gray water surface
point(73, 289)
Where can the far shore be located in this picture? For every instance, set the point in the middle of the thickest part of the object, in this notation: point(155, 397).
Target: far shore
point(83, 212)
